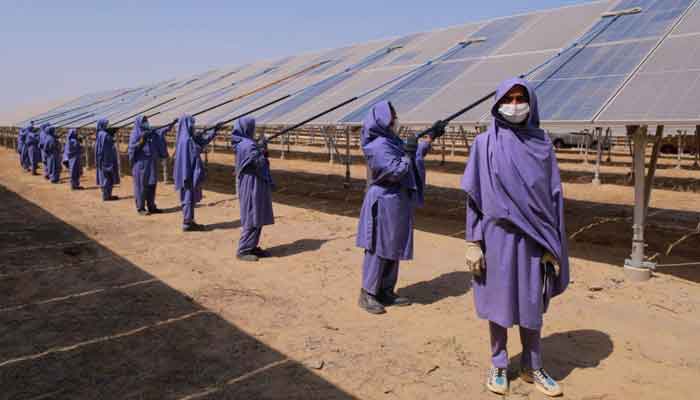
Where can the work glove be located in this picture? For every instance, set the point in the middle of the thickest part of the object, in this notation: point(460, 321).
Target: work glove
point(475, 260)
point(548, 258)
point(438, 129)
point(410, 147)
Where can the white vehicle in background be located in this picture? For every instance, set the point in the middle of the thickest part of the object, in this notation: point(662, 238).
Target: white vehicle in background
point(564, 140)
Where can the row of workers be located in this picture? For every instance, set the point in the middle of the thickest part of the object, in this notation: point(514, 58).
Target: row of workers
point(516, 239)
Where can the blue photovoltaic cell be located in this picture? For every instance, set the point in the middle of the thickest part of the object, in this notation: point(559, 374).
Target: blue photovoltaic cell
point(221, 92)
point(496, 34)
point(618, 59)
point(413, 90)
point(576, 99)
point(323, 86)
point(405, 58)
point(656, 17)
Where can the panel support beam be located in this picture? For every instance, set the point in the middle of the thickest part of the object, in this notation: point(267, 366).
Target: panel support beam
point(636, 267)
point(697, 147)
point(599, 155)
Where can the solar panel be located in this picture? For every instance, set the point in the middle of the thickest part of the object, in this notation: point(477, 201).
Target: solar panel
point(665, 87)
point(577, 88)
point(625, 74)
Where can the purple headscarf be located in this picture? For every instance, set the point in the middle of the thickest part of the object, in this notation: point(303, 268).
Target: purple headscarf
point(377, 125)
point(72, 148)
point(245, 148)
point(188, 172)
point(512, 175)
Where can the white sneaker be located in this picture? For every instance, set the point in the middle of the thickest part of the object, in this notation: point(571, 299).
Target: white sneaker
point(497, 381)
point(543, 382)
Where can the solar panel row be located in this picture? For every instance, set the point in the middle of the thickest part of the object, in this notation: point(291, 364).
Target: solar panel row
point(642, 67)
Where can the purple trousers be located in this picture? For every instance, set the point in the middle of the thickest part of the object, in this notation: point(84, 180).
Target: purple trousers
point(379, 274)
point(187, 202)
point(250, 237)
point(145, 197)
point(530, 340)
point(107, 186)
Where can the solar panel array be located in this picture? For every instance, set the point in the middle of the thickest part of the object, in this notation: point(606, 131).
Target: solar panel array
point(641, 67)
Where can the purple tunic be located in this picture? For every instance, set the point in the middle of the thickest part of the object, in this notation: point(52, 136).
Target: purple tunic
point(31, 143)
point(254, 179)
point(144, 158)
point(52, 150)
point(396, 188)
point(106, 156)
point(72, 157)
point(516, 210)
point(42, 142)
point(189, 172)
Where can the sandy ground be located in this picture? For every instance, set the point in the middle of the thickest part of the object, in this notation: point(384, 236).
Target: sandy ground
point(98, 302)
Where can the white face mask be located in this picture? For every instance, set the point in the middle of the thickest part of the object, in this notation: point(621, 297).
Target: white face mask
point(515, 113)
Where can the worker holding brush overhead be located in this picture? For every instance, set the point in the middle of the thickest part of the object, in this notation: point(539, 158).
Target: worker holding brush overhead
point(396, 188)
point(255, 187)
point(516, 239)
point(106, 160)
point(146, 146)
point(189, 172)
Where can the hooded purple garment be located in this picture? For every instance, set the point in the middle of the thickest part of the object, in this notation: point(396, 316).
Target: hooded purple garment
point(72, 157)
point(516, 211)
point(42, 142)
point(396, 188)
point(21, 148)
point(189, 172)
point(33, 154)
point(254, 179)
point(52, 149)
point(144, 158)
point(106, 156)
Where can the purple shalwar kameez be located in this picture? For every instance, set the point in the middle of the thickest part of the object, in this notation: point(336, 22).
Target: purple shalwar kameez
point(515, 211)
point(189, 172)
point(255, 185)
point(42, 140)
point(143, 156)
point(21, 138)
point(106, 160)
point(52, 150)
point(72, 158)
point(31, 144)
point(396, 188)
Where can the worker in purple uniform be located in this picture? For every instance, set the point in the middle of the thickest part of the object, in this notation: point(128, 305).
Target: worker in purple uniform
point(516, 240)
point(396, 188)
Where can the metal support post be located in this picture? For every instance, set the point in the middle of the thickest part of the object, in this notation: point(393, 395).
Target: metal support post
point(442, 145)
point(599, 155)
point(636, 268)
point(348, 160)
point(680, 149)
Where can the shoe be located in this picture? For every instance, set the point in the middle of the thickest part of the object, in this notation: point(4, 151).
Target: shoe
point(247, 257)
point(370, 304)
point(389, 298)
point(260, 252)
point(497, 381)
point(144, 212)
point(110, 198)
point(193, 227)
point(156, 211)
point(77, 188)
point(543, 382)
